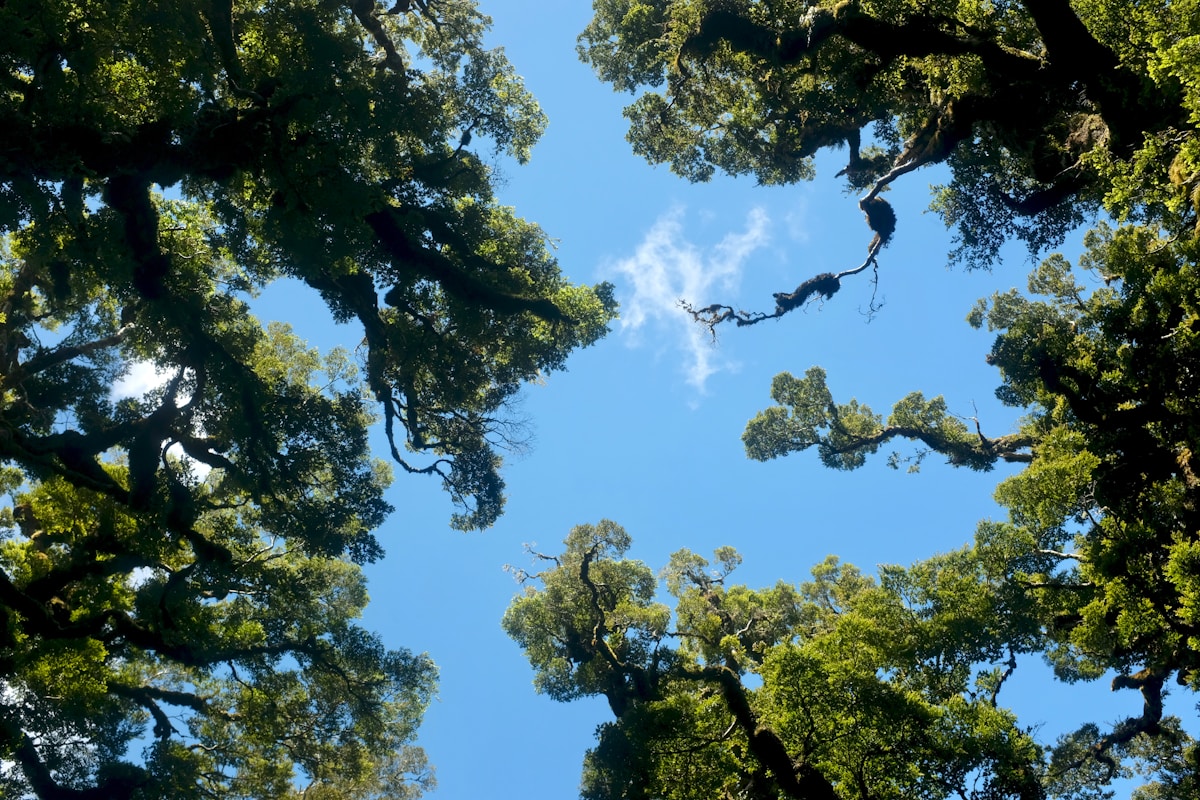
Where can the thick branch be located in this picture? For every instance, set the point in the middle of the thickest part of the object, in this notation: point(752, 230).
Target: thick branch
point(364, 10)
point(129, 195)
point(1005, 448)
point(599, 630)
point(38, 619)
point(143, 696)
point(49, 358)
point(86, 562)
point(132, 632)
point(149, 697)
point(454, 280)
point(1069, 45)
point(1150, 684)
point(1060, 555)
point(618, 693)
point(202, 450)
point(1010, 667)
point(219, 16)
point(918, 36)
point(41, 780)
point(799, 781)
point(1127, 106)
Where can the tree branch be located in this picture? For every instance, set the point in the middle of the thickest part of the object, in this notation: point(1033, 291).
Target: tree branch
point(364, 10)
point(21, 747)
point(1127, 106)
point(918, 36)
point(825, 285)
point(1010, 667)
point(1060, 555)
point(799, 781)
point(957, 453)
point(1150, 683)
point(433, 265)
point(129, 196)
point(49, 358)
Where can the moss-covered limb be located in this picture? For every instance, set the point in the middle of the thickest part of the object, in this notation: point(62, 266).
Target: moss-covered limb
point(1129, 103)
point(845, 434)
point(979, 454)
point(823, 286)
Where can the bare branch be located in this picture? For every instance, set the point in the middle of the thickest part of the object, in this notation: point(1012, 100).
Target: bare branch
point(1150, 683)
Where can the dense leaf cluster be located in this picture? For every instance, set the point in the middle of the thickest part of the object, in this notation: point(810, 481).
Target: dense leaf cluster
point(1043, 111)
point(1096, 562)
point(841, 687)
point(180, 564)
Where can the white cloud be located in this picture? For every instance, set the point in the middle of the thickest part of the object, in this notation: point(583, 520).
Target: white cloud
point(142, 377)
point(666, 268)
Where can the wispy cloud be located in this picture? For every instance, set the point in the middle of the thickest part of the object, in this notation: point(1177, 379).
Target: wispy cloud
point(668, 267)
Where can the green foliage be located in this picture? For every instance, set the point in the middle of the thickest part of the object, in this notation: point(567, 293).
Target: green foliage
point(1043, 112)
point(846, 433)
point(346, 168)
point(616, 616)
point(840, 687)
point(180, 568)
point(1097, 565)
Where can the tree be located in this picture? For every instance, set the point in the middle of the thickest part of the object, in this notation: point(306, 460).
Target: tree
point(842, 688)
point(1099, 548)
point(1043, 111)
point(838, 688)
point(180, 569)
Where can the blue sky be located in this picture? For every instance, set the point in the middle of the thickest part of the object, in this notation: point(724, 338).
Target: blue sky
point(645, 427)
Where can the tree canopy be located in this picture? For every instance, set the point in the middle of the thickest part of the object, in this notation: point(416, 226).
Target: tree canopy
point(180, 566)
point(851, 687)
point(180, 569)
point(1044, 112)
point(841, 687)
point(848, 687)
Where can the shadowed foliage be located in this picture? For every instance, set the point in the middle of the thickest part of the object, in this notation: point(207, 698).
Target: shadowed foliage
point(1044, 112)
point(180, 563)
